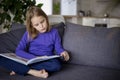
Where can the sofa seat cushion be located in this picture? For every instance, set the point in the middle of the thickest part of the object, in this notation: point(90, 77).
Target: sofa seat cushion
point(95, 46)
point(80, 72)
point(71, 72)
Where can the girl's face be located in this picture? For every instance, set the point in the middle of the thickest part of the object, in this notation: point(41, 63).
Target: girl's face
point(39, 23)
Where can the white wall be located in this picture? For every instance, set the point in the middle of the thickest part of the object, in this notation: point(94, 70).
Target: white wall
point(97, 7)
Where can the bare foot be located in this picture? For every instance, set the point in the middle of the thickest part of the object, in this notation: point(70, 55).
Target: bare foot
point(12, 73)
point(37, 73)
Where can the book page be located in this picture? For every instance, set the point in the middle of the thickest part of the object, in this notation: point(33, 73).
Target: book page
point(24, 61)
point(14, 57)
point(41, 58)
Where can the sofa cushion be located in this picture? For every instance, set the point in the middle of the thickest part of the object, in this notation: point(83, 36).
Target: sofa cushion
point(94, 46)
point(70, 72)
point(10, 40)
point(60, 27)
point(16, 26)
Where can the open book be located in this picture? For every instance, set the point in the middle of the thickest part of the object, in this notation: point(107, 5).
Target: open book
point(24, 61)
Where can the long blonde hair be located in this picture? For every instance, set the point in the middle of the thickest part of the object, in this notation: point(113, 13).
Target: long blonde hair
point(31, 12)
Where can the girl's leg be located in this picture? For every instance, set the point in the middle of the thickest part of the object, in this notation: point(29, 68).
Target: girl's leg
point(14, 66)
point(21, 69)
point(49, 65)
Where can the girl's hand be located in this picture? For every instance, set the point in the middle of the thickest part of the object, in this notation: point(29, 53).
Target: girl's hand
point(65, 55)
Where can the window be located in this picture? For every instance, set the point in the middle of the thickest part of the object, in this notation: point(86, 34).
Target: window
point(47, 6)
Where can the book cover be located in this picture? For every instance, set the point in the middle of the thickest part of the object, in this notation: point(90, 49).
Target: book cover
point(24, 61)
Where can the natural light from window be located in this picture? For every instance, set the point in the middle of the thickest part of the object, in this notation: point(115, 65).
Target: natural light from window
point(47, 6)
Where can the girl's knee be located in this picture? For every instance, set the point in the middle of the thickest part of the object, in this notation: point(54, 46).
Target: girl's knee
point(55, 67)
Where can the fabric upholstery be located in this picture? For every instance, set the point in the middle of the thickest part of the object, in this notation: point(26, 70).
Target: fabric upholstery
point(10, 40)
point(60, 27)
point(94, 46)
point(16, 26)
point(70, 72)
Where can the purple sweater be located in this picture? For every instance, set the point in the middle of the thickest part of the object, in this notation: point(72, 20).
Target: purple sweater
point(43, 44)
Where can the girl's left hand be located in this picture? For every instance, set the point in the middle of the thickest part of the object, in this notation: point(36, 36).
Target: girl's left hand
point(65, 55)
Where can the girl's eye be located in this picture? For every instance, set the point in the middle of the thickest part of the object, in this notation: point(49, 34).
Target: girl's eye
point(36, 25)
point(42, 21)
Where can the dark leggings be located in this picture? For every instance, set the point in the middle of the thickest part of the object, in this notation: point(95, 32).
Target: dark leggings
point(50, 66)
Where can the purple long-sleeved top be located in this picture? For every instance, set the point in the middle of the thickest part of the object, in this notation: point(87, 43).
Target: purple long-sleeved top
point(43, 44)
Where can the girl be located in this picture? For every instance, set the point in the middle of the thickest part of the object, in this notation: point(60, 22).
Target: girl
point(42, 40)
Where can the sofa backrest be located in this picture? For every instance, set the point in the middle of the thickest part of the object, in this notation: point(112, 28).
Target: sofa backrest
point(93, 46)
point(10, 40)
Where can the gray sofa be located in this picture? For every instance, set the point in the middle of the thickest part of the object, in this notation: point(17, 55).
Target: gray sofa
point(94, 52)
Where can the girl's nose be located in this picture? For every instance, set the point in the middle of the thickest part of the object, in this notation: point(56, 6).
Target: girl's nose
point(40, 25)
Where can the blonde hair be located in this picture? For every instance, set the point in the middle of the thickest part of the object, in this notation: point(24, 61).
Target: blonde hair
point(31, 12)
